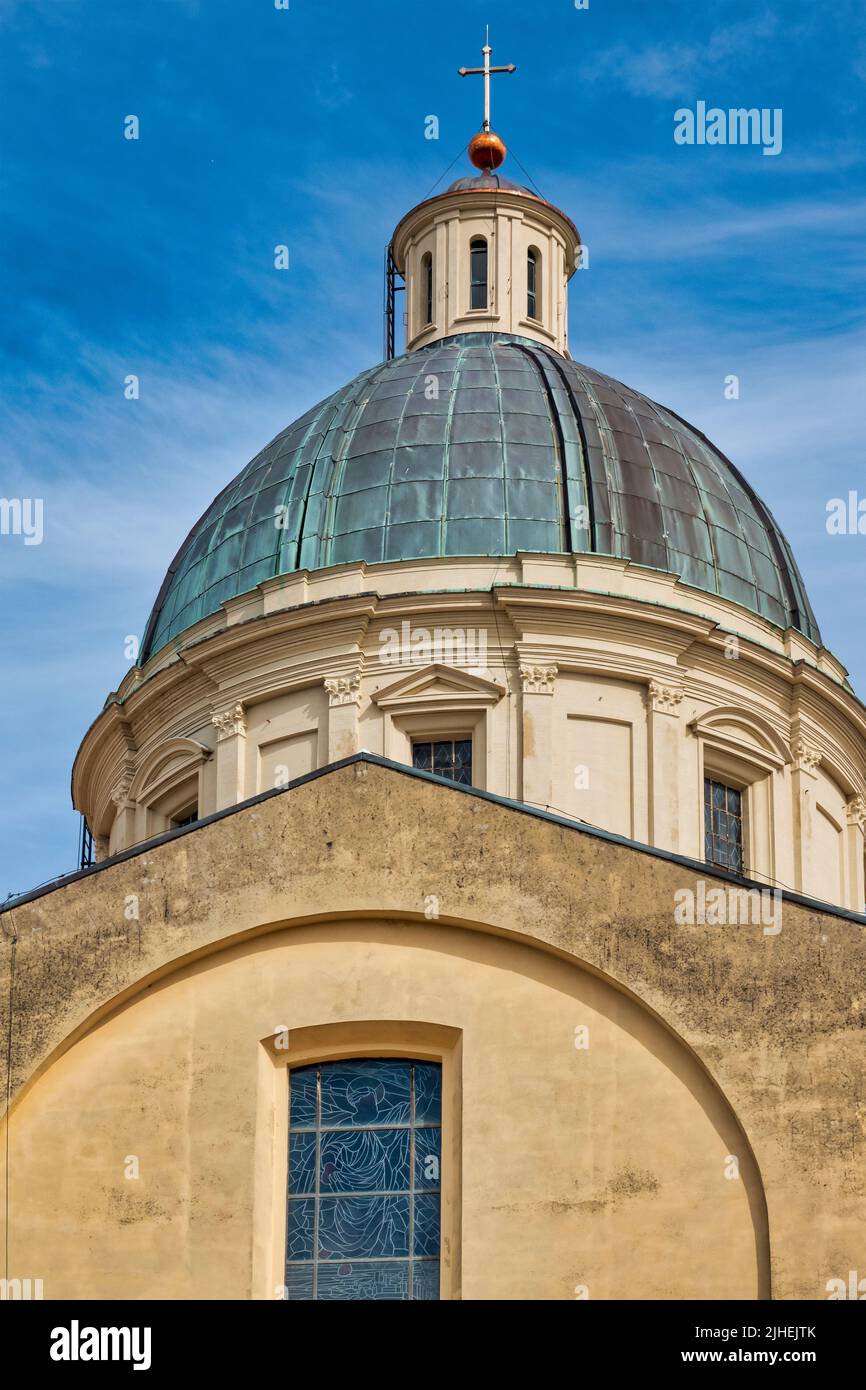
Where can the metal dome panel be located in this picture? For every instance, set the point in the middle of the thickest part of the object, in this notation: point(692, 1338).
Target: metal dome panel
point(485, 444)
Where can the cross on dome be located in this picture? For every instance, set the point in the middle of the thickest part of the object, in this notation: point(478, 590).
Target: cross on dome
point(486, 72)
point(486, 149)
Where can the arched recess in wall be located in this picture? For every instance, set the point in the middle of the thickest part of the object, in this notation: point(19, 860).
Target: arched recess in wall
point(604, 1151)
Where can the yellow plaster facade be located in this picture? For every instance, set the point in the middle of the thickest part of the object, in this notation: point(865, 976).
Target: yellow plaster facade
point(616, 1124)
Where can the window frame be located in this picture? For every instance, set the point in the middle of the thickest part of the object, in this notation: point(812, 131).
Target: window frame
point(426, 290)
point(533, 283)
point(453, 739)
point(711, 780)
point(326, 1133)
point(286, 1049)
point(441, 700)
point(476, 244)
point(161, 813)
point(429, 726)
point(756, 769)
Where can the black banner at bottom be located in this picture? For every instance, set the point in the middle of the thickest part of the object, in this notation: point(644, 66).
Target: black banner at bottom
point(150, 1338)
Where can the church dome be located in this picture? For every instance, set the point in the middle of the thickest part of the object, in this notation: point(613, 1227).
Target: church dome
point(485, 444)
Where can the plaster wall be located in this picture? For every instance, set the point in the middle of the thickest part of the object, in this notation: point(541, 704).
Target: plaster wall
point(307, 910)
point(601, 1167)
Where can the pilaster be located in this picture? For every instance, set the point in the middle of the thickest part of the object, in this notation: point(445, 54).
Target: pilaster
point(231, 728)
point(344, 699)
point(665, 743)
point(537, 682)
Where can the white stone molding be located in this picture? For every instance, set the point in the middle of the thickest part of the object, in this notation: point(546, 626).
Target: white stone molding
point(743, 733)
point(856, 812)
point(167, 766)
point(438, 686)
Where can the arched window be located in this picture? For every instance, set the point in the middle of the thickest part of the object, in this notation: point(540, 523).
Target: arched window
point(533, 282)
point(478, 273)
point(364, 1180)
point(427, 286)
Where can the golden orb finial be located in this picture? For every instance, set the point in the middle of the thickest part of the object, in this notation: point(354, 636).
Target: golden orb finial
point(487, 151)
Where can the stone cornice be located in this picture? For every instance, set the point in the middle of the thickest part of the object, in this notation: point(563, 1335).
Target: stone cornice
point(526, 606)
point(513, 598)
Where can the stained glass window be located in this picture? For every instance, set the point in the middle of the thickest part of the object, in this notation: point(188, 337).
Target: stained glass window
point(723, 826)
point(446, 757)
point(364, 1180)
point(478, 273)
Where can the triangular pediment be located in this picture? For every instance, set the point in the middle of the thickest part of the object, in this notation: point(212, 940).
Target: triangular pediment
point(438, 683)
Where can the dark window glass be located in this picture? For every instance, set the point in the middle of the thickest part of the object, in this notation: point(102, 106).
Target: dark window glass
point(532, 285)
point(723, 826)
point(446, 757)
point(364, 1180)
point(427, 265)
point(185, 818)
point(478, 270)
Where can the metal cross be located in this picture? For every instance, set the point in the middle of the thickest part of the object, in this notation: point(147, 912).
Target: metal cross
point(485, 73)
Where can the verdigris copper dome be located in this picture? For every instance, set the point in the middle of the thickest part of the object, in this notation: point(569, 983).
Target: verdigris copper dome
point(485, 444)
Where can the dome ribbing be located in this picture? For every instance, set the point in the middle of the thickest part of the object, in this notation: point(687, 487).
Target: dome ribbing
point(485, 444)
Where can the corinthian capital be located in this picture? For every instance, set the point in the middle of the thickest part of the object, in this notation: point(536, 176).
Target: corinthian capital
point(664, 697)
point(806, 758)
point(538, 680)
point(344, 690)
point(230, 722)
point(120, 791)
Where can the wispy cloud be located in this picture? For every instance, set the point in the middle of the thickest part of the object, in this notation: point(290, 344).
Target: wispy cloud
point(331, 90)
point(666, 69)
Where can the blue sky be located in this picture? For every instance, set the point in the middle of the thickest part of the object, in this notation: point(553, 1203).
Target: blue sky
point(261, 126)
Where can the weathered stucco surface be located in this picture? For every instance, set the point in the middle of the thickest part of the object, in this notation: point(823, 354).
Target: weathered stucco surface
point(603, 1166)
